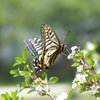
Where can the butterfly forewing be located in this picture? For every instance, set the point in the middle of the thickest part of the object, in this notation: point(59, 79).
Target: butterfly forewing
point(34, 46)
point(49, 38)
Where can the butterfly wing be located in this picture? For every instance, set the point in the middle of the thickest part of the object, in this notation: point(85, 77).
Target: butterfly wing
point(34, 46)
point(50, 45)
point(49, 37)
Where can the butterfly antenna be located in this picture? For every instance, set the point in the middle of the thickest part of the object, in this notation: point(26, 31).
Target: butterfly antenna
point(64, 42)
point(65, 37)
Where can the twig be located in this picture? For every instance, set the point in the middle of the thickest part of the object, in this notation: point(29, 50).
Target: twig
point(50, 96)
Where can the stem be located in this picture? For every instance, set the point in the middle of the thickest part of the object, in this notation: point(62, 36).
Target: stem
point(34, 76)
point(25, 76)
point(86, 66)
point(31, 87)
point(27, 67)
point(50, 96)
point(94, 71)
point(90, 67)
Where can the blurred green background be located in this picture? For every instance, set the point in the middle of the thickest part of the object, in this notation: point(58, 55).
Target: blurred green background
point(21, 19)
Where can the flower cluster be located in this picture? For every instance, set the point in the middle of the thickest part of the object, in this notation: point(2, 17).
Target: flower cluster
point(86, 78)
point(39, 80)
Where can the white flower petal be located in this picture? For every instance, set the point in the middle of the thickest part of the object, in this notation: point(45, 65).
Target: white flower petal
point(63, 96)
point(98, 98)
point(90, 46)
point(74, 85)
point(79, 68)
point(72, 54)
point(73, 48)
point(39, 89)
point(80, 78)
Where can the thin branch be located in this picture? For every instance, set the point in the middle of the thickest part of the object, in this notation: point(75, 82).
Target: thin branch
point(27, 67)
point(48, 94)
point(25, 76)
point(90, 67)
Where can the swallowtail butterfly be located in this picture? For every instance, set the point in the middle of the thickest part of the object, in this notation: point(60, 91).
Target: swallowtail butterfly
point(47, 49)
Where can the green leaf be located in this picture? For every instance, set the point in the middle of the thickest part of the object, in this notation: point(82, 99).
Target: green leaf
point(53, 80)
point(24, 55)
point(26, 69)
point(31, 91)
point(77, 82)
point(8, 96)
point(35, 83)
point(44, 77)
point(70, 94)
point(23, 84)
point(97, 94)
point(14, 95)
point(15, 64)
point(22, 98)
point(24, 72)
point(92, 76)
point(14, 72)
point(75, 64)
point(92, 62)
point(3, 97)
point(79, 53)
point(75, 58)
point(21, 90)
point(80, 87)
point(15, 75)
point(19, 60)
point(98, 90)
point(27, 79)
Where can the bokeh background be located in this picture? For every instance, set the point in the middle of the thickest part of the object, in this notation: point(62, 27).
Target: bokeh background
point(21, 19)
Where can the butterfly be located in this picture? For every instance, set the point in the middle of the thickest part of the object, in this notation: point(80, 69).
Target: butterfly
point(47, 49)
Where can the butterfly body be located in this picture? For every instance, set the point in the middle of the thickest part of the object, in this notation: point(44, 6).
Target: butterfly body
point(47, 49)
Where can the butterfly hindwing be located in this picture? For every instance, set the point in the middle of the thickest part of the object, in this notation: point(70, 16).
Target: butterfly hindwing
point(34, 46)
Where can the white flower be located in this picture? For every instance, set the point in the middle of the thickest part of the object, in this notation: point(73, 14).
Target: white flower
point(94, 88)
point(74, 85)
point(79, 68)
point(90, 46)
point(71, 55)
point(38, 90)
point(80, 78)
point(63, 96)
point(84, 51)
point(73, 48)
point(98, 98)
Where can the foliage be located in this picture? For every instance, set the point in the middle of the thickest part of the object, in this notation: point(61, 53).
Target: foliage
point(13, 96)
point(39, 85)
